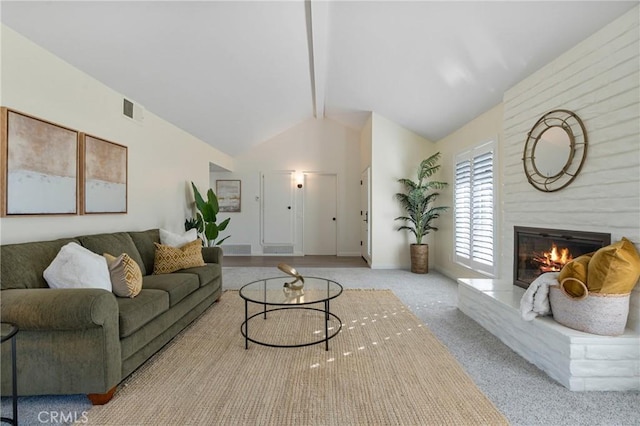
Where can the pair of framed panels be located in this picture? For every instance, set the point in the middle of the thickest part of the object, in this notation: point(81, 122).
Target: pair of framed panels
point(49, 169)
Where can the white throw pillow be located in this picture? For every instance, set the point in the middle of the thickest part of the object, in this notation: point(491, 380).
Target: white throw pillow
point(76, 267)
point(176, 240)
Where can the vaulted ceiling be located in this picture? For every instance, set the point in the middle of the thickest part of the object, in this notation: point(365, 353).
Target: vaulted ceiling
point(236, 73)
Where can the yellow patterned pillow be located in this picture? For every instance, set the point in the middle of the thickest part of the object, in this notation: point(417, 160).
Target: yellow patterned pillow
point(170, 259)
point(126, 276)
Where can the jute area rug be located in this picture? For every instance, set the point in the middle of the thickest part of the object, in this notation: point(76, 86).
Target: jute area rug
point(383, 368)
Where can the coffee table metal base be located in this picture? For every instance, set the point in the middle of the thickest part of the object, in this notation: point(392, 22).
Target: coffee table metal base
point(327, 318)
point(9, 332)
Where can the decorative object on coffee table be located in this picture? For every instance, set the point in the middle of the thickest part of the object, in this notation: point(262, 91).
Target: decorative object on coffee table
point(292, 289)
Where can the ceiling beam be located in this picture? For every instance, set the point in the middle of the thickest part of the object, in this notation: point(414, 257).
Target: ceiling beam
point(317, 17)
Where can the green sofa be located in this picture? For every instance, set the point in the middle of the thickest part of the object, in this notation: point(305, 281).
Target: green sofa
point(86, 341)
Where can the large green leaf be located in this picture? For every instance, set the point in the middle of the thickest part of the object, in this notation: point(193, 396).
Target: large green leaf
point(199, 200)
point(223, 225)
point(222, 240)
point(211, 231)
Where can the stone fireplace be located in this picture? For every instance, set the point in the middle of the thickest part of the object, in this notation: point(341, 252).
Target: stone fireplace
point(540, 250)
point(579, 361)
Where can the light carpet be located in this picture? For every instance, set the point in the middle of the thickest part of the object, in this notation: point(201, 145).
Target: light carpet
point(384, 367)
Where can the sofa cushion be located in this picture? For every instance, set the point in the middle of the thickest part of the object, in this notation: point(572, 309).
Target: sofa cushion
point(144, 241)
point(176, 285)
point(78, 267)
point(126, 276)
point(170, 259)
point(206, 273)
point(22, 265)
point(115, 243)
point(135, 313)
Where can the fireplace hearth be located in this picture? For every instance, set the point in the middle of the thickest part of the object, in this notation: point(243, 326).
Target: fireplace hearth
point(540, 250)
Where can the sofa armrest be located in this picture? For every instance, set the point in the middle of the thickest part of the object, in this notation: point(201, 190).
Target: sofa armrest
point(212, 255)
point(58, 309)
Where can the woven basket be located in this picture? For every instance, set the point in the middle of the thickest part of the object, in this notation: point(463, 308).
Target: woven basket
point(603, 314)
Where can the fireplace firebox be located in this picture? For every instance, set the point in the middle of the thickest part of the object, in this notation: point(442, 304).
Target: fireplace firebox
point(540, 250)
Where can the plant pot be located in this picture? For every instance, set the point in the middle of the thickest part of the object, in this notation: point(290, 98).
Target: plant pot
point(420, 258)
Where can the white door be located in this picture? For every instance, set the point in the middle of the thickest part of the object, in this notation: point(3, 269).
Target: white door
point(365, 219)
point(320, 207)
point(277, 208)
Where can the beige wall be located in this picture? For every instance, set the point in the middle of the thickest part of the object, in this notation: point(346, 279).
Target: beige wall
point(396, 153)
point(311, 146)
point(162, 158)
point(487, 126)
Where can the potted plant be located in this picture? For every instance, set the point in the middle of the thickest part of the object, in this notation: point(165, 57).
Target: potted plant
point(417, 201)
point(205, 220)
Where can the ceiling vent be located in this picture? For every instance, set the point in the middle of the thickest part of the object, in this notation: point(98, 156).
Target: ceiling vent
point(133, 111)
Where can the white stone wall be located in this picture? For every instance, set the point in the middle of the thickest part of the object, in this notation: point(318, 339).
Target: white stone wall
point(599, 80)
point(579, 361)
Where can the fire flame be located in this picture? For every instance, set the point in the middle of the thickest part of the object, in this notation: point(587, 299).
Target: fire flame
point(554, 259)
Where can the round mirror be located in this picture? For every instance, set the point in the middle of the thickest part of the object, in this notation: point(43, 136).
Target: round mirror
point(552, 151)
point(555, 150)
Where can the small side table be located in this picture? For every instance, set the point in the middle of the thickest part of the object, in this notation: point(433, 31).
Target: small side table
point(8, 332)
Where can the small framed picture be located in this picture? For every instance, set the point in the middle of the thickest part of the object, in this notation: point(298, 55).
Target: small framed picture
point(229, 194)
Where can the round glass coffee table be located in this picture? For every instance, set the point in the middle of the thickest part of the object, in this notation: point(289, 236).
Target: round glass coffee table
point(271, 294)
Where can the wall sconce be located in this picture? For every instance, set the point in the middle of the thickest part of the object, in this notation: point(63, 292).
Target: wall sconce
point(299, 179)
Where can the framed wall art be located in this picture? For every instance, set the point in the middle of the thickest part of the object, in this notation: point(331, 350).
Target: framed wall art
point(39, 166)
point(229, 194)
point(104, 176)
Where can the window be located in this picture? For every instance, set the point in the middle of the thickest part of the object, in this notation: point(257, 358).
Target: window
point(474, 203)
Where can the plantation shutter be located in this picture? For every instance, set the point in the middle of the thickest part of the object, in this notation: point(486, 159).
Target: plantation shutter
point(482, 207)
point(474, 208)
point(463, 209)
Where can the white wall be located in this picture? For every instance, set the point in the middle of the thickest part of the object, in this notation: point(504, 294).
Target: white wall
point(162, 158)
point(487, 126)
point(598, 80)
point(396, 153)
point(311, 146)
